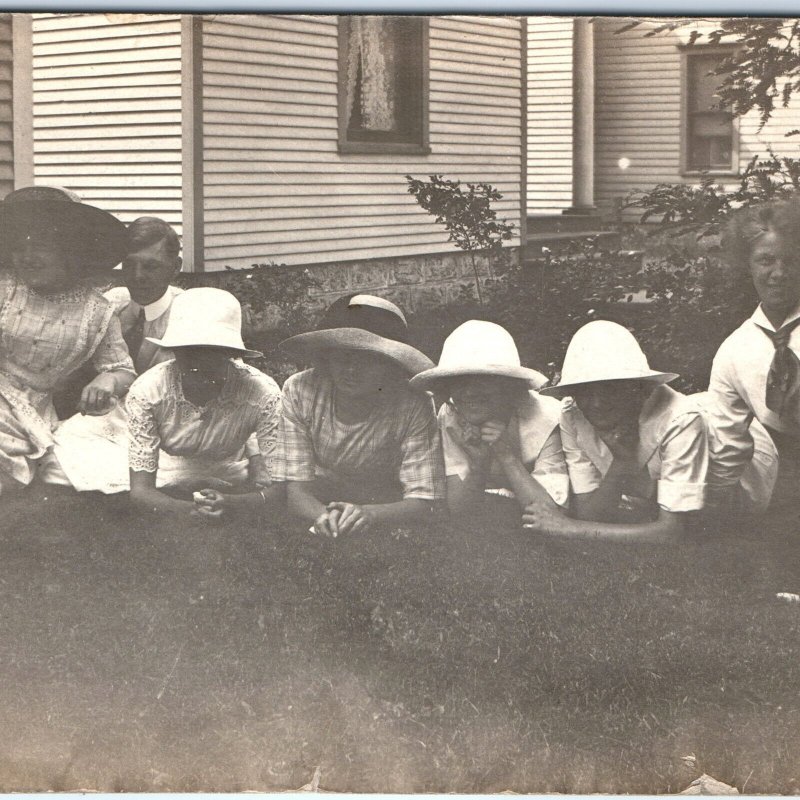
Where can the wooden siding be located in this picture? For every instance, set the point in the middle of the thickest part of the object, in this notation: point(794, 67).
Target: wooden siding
point(638, 102)
point(275, 185)
point(6, 100)
point(550, 101)
point(107, 110)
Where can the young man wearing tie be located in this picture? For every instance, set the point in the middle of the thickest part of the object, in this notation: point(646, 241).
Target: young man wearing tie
point(143, 303)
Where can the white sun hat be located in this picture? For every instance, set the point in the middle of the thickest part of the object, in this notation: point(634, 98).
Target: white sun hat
point(205, 317)
point(479, 348)
point(604, 351)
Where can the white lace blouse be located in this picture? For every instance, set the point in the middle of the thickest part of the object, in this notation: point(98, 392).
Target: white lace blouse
point(45, 337)
point(160, 417)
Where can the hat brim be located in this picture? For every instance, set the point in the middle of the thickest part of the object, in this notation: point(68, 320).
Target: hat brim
point(431, 377)
point(404, 355)
point(242, 351)
point(564, 389)
point(97, 240)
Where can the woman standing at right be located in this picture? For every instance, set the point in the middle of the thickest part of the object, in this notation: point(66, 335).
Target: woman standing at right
point(756, 372)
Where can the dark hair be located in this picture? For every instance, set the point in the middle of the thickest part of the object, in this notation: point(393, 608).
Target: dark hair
point(746, 226)
point(144, 231)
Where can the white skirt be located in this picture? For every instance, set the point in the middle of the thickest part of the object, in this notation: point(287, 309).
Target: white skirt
point(91, 455)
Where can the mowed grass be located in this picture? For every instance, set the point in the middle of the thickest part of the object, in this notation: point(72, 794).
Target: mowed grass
point(170, 655)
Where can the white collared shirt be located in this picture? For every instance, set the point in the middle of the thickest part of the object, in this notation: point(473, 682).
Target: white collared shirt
point(738, 384)
point(673, 445)
point(152, 311)
point(156, 316)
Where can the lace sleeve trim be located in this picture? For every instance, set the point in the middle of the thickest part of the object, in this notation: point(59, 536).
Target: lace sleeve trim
point(119, 365)
point(143, 439)
point(267, 433)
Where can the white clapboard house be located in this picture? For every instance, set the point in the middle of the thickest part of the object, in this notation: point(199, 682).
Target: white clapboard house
point(287, 138)
point(610, 111)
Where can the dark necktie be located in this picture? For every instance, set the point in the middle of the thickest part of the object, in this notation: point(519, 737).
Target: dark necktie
point(135, 335)
point(783, 379)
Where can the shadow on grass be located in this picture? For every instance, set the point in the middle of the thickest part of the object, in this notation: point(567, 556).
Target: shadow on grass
point(169, 655)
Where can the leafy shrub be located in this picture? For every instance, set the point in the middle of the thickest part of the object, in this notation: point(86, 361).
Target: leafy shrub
point(680, 303)
point(674, 291)
point(695, 303)
point(696, 298)
point(681, 208)
point(467, 215)
point(688, 299)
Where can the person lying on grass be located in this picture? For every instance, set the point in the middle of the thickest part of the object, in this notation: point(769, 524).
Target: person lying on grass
point(53, 320)
point(498, 434)
point(639, 453)
point(357, 446)
point(190, 418)
point(756, 371)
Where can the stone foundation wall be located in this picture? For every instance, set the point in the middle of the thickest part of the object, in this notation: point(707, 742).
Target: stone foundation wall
point(413, 282)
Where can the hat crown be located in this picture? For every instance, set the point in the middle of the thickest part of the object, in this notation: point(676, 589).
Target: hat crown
point(369, 313)
point(40, 194)
point(479, 344)
point(205, 316)
point(602, 351)
point(90, 239)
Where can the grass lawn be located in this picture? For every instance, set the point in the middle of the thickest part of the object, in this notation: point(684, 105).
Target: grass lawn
point(178, 656)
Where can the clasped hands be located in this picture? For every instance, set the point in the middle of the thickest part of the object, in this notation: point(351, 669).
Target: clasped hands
point(623, 442)
point(481, 443)
point(210, 503)
point(343, 518)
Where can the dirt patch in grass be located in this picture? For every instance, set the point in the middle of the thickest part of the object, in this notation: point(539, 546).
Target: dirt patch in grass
point(175, 656)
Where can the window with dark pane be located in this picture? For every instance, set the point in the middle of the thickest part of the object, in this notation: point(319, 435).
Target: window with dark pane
point(710, 126)
point(382, 81)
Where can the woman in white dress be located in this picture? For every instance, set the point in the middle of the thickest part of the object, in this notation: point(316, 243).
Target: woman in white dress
point(53, 320)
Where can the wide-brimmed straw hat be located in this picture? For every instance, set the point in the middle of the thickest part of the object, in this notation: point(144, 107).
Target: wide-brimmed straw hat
point(92, 239)
point(205, 317)
point(362, 322)
point(604, 351)
point(479, 348)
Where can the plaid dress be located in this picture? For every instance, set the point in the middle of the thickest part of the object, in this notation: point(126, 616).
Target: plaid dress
point(44, 338)
point(396, 446)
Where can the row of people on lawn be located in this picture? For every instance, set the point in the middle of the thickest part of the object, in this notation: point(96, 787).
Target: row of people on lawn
point(355, 441)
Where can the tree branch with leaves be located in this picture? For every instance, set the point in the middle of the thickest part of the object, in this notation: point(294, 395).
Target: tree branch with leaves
point(762, 70)
point(467, 214)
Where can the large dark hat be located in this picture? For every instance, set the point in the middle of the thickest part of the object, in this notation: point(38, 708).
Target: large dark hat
point(362, 322)
point(94, 240)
